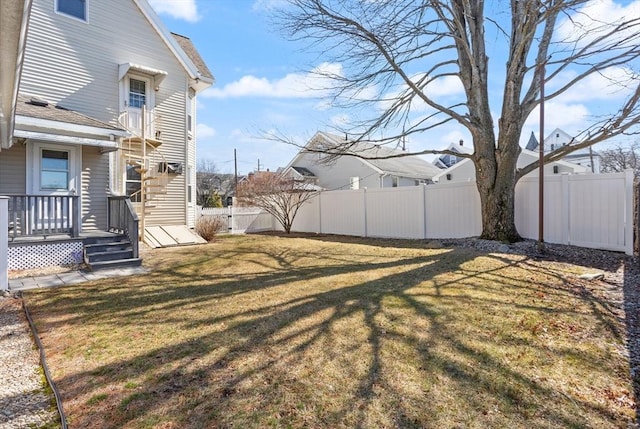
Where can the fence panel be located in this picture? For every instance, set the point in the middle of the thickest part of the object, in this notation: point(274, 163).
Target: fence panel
point(342, 212)
point(555, 227)
point(452, 210)
point(395, 212)
point(308, 217)
point(598, 211)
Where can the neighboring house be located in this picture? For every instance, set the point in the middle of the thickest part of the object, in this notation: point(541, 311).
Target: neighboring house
point(445, 161)
point(465, 171)
point(586, 157)
point(104, 134)
point(355, 172)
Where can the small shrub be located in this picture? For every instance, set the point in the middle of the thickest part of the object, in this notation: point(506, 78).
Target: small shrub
point(209, 226)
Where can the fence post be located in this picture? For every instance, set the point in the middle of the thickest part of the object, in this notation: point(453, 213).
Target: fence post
point(628, 198)
point(320, 212)
point(364, 202)
point(4, 243)
point(230, 220)
point(566, 207)
point(424, 210)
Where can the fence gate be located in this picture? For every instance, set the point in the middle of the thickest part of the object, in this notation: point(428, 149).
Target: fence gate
point(238, 220)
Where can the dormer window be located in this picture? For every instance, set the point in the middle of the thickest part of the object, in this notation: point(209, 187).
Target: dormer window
point(74, 8)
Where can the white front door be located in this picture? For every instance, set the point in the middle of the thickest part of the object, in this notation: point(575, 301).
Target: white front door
point(138, 94)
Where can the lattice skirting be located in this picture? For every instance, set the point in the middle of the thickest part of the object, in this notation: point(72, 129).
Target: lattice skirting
point(36, 255)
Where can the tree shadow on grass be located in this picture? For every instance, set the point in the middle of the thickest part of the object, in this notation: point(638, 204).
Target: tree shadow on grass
point(351, 345)
point(632, 317)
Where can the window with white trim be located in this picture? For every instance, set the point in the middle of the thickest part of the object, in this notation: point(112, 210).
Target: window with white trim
point(74, 8)
point(54, 170)
point(137, 93)
point(133, 183)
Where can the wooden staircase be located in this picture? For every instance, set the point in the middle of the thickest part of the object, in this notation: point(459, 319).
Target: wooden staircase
point(114, 251)
point(141, 151)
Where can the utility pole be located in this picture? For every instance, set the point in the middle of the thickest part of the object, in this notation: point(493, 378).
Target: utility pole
point(258, 164)
point(541, 167)
point(235, 167)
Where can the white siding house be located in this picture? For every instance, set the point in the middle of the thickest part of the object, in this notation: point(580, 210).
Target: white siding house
point(465, 171)
point(105, 111)
point(361, 171)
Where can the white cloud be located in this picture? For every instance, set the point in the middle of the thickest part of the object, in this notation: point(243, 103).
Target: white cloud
point(205, 131)
point(179, 9)
point(293, 85)
point(560, 115)
point(268, 5)
point(594, 19)
point(340, 120)
point(442, 87)
point(610, 84)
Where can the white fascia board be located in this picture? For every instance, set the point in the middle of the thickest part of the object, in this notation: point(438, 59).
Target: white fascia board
point(168, 39)
point(57, 138)
point(67, 127)
point(14, 21)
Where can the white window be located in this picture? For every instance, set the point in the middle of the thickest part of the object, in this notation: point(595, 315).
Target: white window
point(354, 182)
point(74, 8)
point(137, 93)
point(133, 183)
point(54, 170)
point(191, 101)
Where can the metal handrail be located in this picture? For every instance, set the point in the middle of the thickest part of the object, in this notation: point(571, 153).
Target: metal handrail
point(123, 218)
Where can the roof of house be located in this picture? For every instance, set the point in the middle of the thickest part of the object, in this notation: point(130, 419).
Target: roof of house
point(387, 160)
point(532, 144)
point(305, 172)
point(189, 48)
point(35, 107)
point(525, 152)
point(445, 160)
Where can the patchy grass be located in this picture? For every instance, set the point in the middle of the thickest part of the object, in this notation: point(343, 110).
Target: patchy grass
point(263, 331)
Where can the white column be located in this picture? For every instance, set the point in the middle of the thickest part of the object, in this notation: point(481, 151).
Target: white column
point(4, 243)
point(628, 197)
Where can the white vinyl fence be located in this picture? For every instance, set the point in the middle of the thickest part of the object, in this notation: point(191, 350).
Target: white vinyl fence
point(238, 220)
point(4, 243)
point(593, 210)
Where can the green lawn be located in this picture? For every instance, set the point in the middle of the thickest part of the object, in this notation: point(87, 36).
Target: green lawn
point(325, 332)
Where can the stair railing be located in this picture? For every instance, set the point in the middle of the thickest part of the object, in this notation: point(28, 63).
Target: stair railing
point(122, 218)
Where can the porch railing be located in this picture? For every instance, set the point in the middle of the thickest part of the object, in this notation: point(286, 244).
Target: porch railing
point(123, 219)
point(43, 215)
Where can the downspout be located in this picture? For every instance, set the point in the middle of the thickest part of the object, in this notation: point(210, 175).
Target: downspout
point(382, 176)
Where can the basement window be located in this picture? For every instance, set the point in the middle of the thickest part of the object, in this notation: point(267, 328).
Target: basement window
point(74, 8)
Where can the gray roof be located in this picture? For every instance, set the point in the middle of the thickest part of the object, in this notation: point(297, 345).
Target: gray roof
point(304, 171)
point(189, 48)
point(532, 144)
point(35, 107)
point(399, 164)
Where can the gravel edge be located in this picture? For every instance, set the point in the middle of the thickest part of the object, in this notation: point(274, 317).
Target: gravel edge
point(24, 399)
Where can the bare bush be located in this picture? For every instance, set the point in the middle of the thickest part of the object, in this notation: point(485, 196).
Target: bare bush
point(209, 226)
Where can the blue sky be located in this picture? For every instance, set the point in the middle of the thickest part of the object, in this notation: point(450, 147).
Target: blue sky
point(262, 80)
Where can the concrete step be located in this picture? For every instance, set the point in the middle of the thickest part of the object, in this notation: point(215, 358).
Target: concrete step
point(118, 263)
point(111, 255)
point(107, 247)
point(116, 238)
